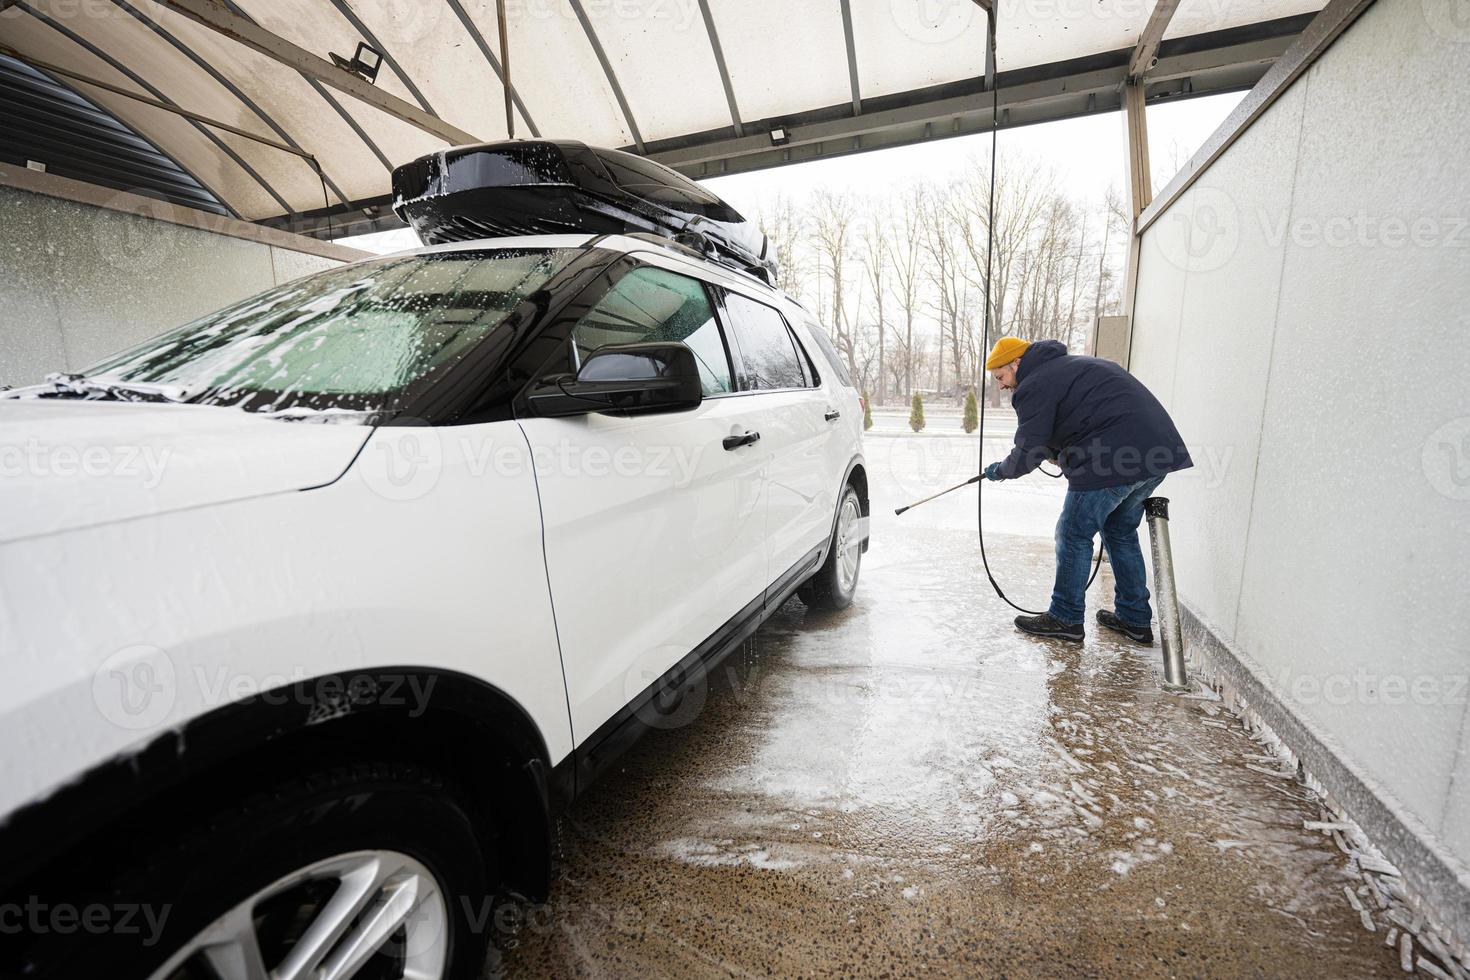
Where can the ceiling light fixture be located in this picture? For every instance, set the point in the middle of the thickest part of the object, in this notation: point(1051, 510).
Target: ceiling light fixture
point(364, 63)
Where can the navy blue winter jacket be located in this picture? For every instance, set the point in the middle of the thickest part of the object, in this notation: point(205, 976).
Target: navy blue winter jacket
point(1104, 428)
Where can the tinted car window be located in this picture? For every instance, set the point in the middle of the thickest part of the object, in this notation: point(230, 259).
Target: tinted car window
point(358, 337)
point(768, 356)
point(829, 352)
point(649, 305)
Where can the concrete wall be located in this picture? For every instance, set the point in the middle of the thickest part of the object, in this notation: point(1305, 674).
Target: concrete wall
point(1304, 312)
point(79, 281)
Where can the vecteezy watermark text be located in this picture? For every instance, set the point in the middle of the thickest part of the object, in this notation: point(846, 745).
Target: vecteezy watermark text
point(139, 687)
point(35, 458)
point(35, 917)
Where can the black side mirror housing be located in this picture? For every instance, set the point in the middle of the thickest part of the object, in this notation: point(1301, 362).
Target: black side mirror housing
point(627, 379)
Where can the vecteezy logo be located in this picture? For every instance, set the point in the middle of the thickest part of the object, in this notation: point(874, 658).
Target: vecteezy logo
point(135, 688)
point(1446, 459)
point(402, 461)
point(1450, 19)
point(1201, 231)
point(136, 233)
point(933, 21)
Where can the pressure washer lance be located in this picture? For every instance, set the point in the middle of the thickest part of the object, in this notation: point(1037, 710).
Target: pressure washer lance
point(1170, 634)
point(973, 479)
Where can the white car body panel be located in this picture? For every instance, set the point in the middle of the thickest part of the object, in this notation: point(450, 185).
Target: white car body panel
point(440, 570)
point(269, 551)
point(650, 556)
point(802, 491)
point(70, 464)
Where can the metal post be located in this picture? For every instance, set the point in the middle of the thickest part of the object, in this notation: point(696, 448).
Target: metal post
point(510, 116)
point(1175, 674)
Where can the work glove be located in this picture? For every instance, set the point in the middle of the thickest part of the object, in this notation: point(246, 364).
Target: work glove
point(992, 472)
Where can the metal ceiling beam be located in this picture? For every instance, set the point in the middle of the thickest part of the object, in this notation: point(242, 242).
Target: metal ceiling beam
point(1204, 64)
point(327, 97)
point(233, 89)
point(474, 32)
point(350, 120)
point(215, 16)
point(607, 69)
point(166, 106)
point(73, 136)
point(1223, 61)
point(367, 35)
point(1318, 36)
point(138, 80)
point(1145, 53)
point(714, 43)
point(852, 68)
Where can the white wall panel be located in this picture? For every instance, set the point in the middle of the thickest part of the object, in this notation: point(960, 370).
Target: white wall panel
point(1222, 349)
point(1345, 284)
point(86, 281)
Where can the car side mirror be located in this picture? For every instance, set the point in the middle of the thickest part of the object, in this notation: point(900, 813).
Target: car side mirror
point(626, 378)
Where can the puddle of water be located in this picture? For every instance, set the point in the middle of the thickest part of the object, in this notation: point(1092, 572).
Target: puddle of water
point(911, 785)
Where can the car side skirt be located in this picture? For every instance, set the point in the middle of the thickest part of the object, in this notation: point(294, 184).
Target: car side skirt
point(689, 677)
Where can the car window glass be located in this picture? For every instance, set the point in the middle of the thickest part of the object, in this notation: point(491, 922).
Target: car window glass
point(819, 336)
point(767, 355)
point(652, 305)
point(355, 337)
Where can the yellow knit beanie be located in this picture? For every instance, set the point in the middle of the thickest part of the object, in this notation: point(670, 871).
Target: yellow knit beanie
point(1006, 350)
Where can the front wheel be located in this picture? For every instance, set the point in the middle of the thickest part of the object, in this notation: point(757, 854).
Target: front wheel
point(836, 581)
point(372, 872)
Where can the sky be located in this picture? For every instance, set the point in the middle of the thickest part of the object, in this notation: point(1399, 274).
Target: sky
point(1086, 153)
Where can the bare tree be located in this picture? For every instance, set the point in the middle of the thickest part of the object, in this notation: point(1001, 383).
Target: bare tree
point(905, 256)
point(876, 233)
point(942, 268)
point(784, 225)
point(921, 257)
point(832, 220)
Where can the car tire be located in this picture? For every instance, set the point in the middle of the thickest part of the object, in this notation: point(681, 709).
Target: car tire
point(836, 581)
point(355, 846)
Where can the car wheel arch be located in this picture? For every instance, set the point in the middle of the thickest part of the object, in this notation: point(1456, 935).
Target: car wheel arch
point(474, 733)
point(857, 477)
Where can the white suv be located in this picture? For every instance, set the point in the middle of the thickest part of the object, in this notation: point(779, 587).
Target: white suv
point(314, 611)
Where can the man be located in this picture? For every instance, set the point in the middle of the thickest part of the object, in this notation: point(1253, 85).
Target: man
point(1115, 443)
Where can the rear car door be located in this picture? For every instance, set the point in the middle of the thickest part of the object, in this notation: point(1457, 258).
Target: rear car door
point(796, 423)
point(654, 531)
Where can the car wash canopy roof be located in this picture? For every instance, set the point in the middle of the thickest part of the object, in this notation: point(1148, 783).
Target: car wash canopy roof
point(245, 99)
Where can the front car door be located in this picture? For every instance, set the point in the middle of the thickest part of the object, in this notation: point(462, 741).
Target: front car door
point(654, 531)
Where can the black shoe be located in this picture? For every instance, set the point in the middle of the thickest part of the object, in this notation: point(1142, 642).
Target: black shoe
point(1048, 625)
point(1138, 634)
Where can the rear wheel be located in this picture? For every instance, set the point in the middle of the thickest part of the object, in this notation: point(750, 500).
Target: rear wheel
point(836, 581)
point(373, 872)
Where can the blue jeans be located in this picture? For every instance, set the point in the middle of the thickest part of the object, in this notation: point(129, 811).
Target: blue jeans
point(1116, 512)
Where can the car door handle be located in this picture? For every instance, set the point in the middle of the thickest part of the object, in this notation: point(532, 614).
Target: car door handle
point(735, 442)
point(832, 415)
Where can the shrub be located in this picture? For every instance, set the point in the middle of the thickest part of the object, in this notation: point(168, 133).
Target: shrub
point(972, 412)
point(916, 415)
point(867, 413)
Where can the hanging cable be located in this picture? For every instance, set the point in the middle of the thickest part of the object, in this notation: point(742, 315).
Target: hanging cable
point(326, 201)
point(994, 80)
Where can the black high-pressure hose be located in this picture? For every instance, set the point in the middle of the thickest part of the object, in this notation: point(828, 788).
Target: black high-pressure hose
point(985, 346)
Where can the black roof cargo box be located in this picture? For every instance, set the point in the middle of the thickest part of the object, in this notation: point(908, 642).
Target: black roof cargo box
point(545, 187)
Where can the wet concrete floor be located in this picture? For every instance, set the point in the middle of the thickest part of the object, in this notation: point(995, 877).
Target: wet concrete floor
point(912, 787)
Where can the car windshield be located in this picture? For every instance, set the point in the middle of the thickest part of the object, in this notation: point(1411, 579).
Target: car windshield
point(359, 338)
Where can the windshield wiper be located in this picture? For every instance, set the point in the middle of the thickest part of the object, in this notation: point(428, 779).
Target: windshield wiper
point(81, 386)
